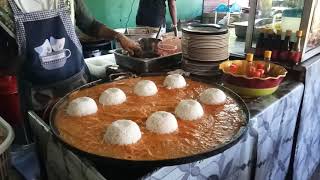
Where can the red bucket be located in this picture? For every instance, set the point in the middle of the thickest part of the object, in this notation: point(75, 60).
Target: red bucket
point(9, 101)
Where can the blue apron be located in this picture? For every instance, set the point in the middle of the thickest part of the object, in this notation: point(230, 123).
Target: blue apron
point(54, 63)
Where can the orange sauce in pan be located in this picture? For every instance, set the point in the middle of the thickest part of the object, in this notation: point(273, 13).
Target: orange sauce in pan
point(217, 126)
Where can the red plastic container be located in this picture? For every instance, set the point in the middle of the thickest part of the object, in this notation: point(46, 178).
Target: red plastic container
point(9, 101)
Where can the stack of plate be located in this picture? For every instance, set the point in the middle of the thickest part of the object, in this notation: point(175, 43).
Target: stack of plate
point(201, 68)
point(204, 47)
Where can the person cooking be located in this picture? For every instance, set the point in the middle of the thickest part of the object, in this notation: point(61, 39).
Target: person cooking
point(152, 13)
point(50, 62)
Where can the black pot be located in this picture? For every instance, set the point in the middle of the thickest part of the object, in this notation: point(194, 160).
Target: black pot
point(95, 48)
point(113, 168)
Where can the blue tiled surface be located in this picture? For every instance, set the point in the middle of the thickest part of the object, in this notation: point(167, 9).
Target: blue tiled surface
point(307, 152)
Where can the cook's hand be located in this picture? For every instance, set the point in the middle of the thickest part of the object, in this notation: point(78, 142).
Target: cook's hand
point(129, 45)
point(175, 30)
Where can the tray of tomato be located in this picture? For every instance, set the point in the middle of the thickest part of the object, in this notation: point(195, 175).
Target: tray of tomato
point(252, 80)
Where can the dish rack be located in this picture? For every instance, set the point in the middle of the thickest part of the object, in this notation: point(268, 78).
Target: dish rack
point(4, 148)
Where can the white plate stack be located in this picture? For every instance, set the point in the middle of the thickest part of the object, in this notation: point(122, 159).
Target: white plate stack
point(204, 47)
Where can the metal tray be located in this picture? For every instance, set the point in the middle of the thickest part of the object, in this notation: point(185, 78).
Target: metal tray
point(146, 65)
point(114, 168)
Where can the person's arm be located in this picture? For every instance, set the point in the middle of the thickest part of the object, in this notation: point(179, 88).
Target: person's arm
point(89, 25)
point(173, 11)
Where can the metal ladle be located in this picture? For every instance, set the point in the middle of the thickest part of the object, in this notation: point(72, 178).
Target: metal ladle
point(158, 34)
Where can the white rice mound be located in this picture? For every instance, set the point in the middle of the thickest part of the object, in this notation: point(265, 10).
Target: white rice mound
point(213, 96)
point(122, 132)
point(162, 122)
point(189, 110)
point(112, 96)
point(82, 106)
point(145, 88)
point(175, 81)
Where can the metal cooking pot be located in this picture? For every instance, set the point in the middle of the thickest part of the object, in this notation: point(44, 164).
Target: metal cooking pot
point(241, 27)
point(147, 65)
point(149, 47)
point(115, 168)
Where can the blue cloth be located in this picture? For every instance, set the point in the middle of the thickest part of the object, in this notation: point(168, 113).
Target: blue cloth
point(25, 160)
point(222, 8)
point(307, 152)
point(235, 8)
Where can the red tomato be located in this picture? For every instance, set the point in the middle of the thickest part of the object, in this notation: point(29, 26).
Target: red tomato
point(261, 71)
point(257, 74)
point(233, 68)
point(260, 66)
point(251, 71)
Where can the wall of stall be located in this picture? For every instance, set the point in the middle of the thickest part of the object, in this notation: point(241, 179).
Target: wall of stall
point(115, 13)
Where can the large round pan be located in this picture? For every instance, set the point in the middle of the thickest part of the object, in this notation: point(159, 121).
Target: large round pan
point(109, 164)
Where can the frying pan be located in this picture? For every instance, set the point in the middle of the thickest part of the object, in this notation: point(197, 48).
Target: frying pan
point(131, 169)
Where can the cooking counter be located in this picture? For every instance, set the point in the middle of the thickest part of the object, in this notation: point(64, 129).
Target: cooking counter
point(263, 151)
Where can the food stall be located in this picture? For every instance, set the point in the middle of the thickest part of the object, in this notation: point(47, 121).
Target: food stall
point(271, 121)
point(262, 148)
point(253, 156)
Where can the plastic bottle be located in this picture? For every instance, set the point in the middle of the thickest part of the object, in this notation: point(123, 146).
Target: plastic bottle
point(267, 59)
point(249, 65)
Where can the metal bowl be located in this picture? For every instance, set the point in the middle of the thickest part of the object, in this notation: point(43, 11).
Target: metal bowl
point(149, 47)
